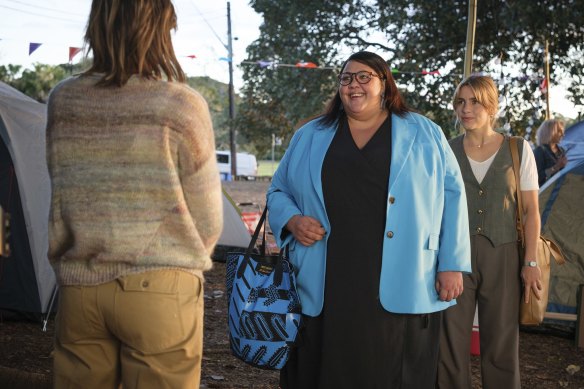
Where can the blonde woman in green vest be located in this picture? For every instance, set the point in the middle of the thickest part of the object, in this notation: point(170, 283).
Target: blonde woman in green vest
point(498, 274)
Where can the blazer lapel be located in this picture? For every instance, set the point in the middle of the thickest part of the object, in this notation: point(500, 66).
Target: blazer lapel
point(321, 141)
point(403, 133)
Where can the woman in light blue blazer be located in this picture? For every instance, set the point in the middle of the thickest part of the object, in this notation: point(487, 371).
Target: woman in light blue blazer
point(370, 200)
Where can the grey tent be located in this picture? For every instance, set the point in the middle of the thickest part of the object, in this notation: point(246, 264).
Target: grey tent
point(27, 281)
point(562, 219)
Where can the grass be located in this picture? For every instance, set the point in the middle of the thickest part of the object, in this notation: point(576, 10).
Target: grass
point(267, 168)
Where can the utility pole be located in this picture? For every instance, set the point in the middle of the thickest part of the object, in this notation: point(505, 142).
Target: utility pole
point(547, 80)
point(470, 35)
point(232, 145)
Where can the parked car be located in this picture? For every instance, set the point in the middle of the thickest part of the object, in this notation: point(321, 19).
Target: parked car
point(247, 165)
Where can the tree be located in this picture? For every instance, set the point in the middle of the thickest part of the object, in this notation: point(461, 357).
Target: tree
point(276, 98)
point(415, 36)
point(36, 83)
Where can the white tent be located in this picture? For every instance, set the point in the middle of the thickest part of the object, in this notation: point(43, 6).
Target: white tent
point(27, 280)
point(22, 129)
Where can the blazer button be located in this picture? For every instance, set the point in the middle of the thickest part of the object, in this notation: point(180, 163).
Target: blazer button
point(481, 192)
point(479, 229)
point(390, 234)
point(391, 199)
point(480, 211)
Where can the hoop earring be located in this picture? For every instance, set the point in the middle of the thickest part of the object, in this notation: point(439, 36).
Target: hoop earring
point(382, 102)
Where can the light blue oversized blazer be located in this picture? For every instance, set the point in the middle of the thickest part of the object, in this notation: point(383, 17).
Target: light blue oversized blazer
point(426, 228)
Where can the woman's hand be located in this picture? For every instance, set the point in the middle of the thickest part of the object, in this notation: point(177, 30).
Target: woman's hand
point(305, 229)
point(531, 277)
point(561, 162)
point(449, 285)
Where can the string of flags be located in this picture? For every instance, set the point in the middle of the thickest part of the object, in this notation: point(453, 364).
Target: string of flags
point(270, 64)
point(73, 51)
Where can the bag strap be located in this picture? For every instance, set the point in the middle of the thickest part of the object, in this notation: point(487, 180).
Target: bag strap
point(256, 234)
point(553, 247)
point(278, 268)
point(515, 156)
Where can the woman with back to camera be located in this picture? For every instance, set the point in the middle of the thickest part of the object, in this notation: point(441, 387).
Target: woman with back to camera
point(550, 157)
point(370, 200)
point(136, 207)
point(497, 271)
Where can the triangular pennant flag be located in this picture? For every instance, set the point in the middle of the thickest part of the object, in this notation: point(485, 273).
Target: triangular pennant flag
point(265, 64)
point(303, 64)
point(225, 59)
point(32, 47)
point(192, 56)
point(543, 86)
point(73, 52)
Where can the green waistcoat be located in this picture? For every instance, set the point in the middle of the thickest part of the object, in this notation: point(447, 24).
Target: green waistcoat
point(492, 203)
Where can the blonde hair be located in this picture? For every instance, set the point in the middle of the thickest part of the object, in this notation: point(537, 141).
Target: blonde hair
point(484, 90)
point(547, 130)
point(132, 37)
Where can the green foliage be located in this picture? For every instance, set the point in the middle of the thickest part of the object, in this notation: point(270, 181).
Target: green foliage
point(36, 83)
point(413, 36)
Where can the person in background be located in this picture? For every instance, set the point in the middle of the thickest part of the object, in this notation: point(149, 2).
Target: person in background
point(370, 200)
point(136, 207)
point(549, 156)
point(495, 283)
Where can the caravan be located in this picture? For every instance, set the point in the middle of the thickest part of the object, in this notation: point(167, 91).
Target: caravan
point(247, 165)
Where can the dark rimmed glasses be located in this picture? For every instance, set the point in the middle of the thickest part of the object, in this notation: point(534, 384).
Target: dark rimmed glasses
point(362, 77)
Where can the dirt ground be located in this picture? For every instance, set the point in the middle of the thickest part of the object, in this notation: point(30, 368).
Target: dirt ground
point(547, 361)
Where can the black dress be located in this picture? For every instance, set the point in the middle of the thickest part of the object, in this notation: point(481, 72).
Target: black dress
point(354, 342)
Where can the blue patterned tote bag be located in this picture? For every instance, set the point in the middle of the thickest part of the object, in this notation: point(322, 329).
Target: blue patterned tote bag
point(264, 310)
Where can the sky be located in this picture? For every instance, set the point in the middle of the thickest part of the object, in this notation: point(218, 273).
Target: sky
point(60, 24)
point(202, 32)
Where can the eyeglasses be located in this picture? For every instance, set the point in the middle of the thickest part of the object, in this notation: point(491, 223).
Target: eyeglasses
point(362, 77)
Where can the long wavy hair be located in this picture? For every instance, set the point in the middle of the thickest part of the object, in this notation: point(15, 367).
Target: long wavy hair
point(394, 102)
point(130, 37)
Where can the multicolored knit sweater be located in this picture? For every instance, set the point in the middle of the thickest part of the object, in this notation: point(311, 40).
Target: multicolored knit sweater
point(135, 183)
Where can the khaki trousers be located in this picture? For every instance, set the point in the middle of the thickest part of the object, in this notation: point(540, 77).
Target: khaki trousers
point(139, 331)
point(494, 286)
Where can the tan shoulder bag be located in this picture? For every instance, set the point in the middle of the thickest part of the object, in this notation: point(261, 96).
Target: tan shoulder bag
point(532, 314)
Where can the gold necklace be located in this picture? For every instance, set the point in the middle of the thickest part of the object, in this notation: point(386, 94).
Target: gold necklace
point(480, 144)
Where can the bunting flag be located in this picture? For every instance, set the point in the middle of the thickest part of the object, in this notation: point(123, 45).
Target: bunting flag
point(32, 47)
point(309, 65)
point(73, 51)
point(543, 86)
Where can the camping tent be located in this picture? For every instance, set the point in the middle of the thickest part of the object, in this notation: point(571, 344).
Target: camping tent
point(27, 281)
point(562, 219)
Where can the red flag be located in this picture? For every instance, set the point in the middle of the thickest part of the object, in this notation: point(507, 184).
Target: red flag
point(73, 52)
point(543, 86)
point(306, 65)
point(192, 56)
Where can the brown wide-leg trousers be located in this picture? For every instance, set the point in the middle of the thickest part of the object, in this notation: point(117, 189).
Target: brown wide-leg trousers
point(495, 287)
